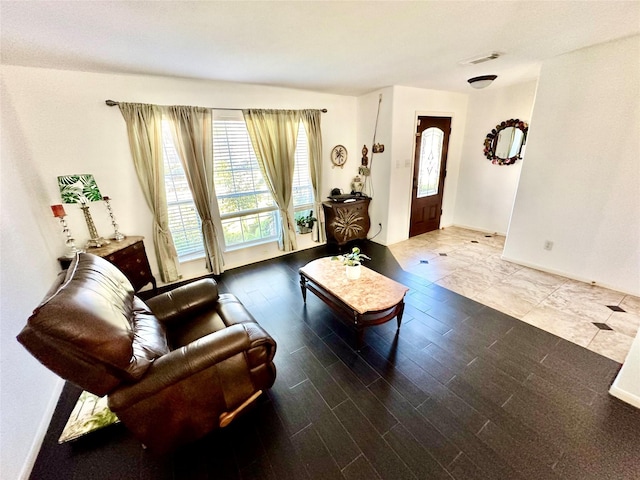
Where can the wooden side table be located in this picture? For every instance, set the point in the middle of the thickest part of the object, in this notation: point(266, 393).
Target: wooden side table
point(346, 221)
point(129, 255)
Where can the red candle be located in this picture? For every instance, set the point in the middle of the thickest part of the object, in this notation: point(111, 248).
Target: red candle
point(58, 211)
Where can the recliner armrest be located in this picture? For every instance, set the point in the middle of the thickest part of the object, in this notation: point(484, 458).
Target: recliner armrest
point(183, 363)
point(184, 301)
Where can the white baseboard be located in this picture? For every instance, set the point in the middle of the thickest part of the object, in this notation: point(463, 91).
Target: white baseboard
point(30, 461)
point(564, 274)
point(482, 230)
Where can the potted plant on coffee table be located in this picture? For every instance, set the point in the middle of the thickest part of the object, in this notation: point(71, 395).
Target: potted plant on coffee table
point(305, 222)
point(352, 262)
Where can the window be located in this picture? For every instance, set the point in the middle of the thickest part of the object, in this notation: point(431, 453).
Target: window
point(430, 156)
point(247, 209)
point(248, 212)
point(184, 222)
point(302, 188)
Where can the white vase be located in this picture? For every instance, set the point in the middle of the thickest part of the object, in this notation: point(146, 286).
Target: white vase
point(353, 271)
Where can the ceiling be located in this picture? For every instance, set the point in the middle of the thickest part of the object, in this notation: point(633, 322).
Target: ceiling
point(339, 47)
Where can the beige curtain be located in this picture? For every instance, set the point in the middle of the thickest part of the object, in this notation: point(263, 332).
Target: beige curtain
point(144, 128)
point(273, 136)
point(311, 121)
point(191, 129)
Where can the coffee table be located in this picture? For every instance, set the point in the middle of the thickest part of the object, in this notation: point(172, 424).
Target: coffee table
point(369, 300)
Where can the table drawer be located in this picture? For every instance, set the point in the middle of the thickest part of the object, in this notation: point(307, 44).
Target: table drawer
point(130, 256)
point(133, 262)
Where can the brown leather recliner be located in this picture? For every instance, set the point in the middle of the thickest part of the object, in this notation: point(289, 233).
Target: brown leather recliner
point(174, 368)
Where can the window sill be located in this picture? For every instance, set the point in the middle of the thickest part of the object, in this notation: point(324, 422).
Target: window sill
point(190, 257)
point(256, 243)
point(198, 255)
point(237, 248)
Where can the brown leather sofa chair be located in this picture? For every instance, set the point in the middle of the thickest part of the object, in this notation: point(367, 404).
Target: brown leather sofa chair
point(174, 368)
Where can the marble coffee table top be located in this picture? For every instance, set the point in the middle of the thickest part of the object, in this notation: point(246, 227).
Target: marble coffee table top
point(369, 293)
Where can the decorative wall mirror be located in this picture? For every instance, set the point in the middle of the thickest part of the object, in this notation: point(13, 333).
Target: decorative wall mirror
point(503, 145)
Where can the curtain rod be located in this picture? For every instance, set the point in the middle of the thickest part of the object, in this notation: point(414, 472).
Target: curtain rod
point(113, 103)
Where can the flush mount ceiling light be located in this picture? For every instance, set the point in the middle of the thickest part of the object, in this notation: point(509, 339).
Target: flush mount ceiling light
point(482, 81)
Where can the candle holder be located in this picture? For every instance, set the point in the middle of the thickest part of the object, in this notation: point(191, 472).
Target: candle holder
point(60, 214)
point(117, 236)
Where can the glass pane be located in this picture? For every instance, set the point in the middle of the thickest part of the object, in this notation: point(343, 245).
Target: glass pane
point(184, 224)
point(232, 230)
point(265, 200)
point(184, 221)
point(302, 189)
point(251, 228)
point(302, 195)
point(517, 143)
point(227, 205)
point(268, 222)
point(430, 155)
point(240, 186)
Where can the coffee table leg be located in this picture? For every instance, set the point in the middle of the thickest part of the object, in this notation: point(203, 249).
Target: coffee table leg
point(303, 287)
point(359, 338)
point(359, 331)
point(400, 312)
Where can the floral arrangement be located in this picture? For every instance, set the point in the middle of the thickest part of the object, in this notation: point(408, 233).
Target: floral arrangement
point(352, 259)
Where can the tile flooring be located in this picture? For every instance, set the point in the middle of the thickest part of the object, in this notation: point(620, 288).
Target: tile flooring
point(468, 262)
point(461, 391)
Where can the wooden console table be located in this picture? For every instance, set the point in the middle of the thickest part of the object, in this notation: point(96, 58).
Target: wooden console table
point(346, 221)
point(129, 255)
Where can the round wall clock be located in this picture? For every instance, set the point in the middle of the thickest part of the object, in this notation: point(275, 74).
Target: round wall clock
point(338, 156)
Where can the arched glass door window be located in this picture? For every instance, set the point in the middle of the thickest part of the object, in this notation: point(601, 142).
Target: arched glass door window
point(430, 156)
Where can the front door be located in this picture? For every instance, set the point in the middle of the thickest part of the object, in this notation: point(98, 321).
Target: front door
point(429, 170)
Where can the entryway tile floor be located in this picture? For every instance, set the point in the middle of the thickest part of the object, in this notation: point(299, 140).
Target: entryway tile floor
point(469, 262)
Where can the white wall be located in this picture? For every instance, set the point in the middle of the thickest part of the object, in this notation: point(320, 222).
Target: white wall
point(393, 169)
point(73, 131)
point(486, 192)
point(408, 103)
point(379, 182)
point(27, 269)
point(580, 182)
point(55, 123)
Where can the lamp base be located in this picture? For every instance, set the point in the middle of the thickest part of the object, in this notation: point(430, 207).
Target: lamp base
point(97, 242)
point(118, 237)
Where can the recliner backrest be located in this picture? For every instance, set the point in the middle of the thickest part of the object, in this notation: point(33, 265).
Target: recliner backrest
point(91, 330)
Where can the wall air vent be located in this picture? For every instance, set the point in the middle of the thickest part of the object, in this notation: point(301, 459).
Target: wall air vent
point(482, 59)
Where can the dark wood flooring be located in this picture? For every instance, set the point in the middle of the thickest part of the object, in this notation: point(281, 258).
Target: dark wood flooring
point(461, 391)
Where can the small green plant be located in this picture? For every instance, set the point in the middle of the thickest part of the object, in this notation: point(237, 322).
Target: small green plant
point(352, 259)
point(306, 220)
